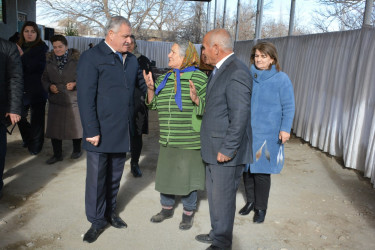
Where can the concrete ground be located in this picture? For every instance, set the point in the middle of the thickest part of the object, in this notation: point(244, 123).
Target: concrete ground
point(314, 204)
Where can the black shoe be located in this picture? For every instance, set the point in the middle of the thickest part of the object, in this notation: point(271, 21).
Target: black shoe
point(259, 216)
point(76, 155)
point(247, 208)
point(187, 221)
point(204, 238)
point(164, 214)
point(54, 159)
point(34, 152)
point(136, 171)
point(92, 234)
point(212, 247)
point(116, 221)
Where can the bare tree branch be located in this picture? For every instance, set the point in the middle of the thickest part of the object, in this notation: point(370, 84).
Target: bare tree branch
point(347, 13)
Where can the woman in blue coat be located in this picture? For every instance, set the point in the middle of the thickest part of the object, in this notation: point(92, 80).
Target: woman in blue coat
point(272, 112)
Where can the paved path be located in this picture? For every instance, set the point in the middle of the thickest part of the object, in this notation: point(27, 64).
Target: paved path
point(314, 204)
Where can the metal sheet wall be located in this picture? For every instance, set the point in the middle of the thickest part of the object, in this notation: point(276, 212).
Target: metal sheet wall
point(334, 82)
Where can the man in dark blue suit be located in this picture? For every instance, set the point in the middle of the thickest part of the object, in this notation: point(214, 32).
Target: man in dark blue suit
point(225, 134)
point(106, 77)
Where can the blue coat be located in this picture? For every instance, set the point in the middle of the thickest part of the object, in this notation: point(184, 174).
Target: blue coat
point(105, 89)
point(272, 111)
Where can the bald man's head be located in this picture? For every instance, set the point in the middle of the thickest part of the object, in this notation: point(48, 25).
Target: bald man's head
point(222, 38)
point(216, 45)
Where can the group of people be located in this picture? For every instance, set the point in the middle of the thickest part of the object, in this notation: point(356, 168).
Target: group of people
point(213, 130)
point(29, 76)
point(48, 75)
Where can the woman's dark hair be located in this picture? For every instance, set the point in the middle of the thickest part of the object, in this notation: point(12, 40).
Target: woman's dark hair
point(268, 49)
point(36, 29)
point(60, 38)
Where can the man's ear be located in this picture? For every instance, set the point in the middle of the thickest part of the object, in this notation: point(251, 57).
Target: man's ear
point(216, 48)
point(110, 34)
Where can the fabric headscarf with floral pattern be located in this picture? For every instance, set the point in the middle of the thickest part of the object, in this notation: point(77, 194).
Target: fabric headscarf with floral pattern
point(189, 63)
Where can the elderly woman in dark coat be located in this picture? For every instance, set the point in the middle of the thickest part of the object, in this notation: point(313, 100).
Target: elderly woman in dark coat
point(59, 79)
point(33, 56)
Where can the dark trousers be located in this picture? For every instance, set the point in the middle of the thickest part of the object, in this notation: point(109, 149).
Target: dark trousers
point(33, 133)
point(257, 188)
point(57, 146)
point(3, 151)
point(136, 148)
point(222, 184)
point(103, 176)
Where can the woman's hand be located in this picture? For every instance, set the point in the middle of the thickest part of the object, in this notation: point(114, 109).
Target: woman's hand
point(150, 86)
point(284, 136)
point(53, 89)
point(149, 81)
point(70, 85)
point(19, 50)
point(193, 93)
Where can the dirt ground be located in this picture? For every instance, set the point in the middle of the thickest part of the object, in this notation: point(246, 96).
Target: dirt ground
point(314, 204)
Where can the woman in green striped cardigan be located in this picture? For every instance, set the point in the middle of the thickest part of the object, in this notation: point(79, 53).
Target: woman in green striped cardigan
point(180, 104)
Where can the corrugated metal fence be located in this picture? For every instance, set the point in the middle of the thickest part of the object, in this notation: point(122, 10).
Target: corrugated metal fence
point(334, 82)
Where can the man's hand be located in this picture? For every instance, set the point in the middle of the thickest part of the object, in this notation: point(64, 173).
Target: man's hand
point(222, 158)
point(284, 136)
point(94, 140)
point(14, 118)
point(193, 93)
point(70, 85)
point(53, 89)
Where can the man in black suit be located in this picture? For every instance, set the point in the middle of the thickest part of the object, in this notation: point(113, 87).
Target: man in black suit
point(140, 112)
point(11, 92)
point(225, 134)
point(106, 77)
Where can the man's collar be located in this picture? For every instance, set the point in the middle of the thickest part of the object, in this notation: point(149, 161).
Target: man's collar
point(218, 65)
point(114, 51)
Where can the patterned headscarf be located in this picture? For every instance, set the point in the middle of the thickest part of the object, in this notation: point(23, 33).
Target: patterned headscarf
point(189, 63)
point(191, 57)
